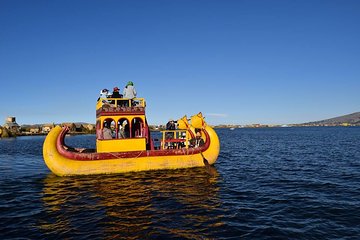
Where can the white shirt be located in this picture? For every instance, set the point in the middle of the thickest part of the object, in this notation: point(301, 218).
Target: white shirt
point(129, 92)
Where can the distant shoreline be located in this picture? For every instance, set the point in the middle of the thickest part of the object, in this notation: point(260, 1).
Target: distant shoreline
point(231, 127)
point(216, 127)
point(44, 134)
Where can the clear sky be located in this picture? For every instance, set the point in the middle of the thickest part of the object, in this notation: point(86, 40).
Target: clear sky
point(238, 62)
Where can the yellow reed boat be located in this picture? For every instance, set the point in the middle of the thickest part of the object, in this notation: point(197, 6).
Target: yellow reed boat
point(131, 147)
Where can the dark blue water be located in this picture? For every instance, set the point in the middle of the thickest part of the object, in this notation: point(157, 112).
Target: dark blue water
point(278, 183)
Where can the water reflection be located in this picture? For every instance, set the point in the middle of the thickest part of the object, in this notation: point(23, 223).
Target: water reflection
point(134, 205)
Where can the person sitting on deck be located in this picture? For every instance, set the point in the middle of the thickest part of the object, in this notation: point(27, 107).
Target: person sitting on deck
point(116, 94)
point(107, 134)
point(104, 94)
point(197, 141)
point(121, 133)
point(124, 130)
point(182, 136)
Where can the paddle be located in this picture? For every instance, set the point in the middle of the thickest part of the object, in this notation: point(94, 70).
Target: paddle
point(209, 169)
point(206, 162)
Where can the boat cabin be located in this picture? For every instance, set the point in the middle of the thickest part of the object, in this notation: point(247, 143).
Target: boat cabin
point(128, 129)
point(127, 123)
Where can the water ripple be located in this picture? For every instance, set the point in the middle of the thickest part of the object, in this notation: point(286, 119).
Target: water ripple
point(285, 183)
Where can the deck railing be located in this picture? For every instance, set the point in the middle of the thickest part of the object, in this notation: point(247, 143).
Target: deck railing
point(174, 139)
point(121, 102)
point(120, 105)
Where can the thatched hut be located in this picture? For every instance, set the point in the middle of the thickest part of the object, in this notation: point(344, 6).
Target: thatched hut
point(5, 133)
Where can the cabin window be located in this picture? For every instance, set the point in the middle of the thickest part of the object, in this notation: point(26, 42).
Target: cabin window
point(108, 123)
point(137, 126)
point(123, 130)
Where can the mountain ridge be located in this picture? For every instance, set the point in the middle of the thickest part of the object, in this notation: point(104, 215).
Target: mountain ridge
point(350, 119)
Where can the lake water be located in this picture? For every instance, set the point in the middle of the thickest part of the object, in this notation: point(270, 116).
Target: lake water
point(276, 183)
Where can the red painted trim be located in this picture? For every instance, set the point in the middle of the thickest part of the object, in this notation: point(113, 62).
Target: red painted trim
point(116, 111)
point(117, 114)
point(174, 140)
point(62, 149)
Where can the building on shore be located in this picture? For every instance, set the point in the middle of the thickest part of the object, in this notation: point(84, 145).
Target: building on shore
point(11, 125)
point(46, 128)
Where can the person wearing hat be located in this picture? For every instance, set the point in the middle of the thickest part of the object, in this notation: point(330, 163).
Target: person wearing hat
point(171, 125)
point(104, 94)
point(197, 141)
point(129, 90)
point(116, 94)
point(170, 134)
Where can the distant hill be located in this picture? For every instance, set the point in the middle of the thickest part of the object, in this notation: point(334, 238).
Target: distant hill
point(349, 119)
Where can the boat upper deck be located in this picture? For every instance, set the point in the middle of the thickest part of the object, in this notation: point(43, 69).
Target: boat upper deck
point(120, 106)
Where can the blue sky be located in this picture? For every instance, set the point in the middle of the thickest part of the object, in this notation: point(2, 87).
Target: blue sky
point(238, 62)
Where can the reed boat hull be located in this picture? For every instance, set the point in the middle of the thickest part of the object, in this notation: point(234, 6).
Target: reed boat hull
point(63, 162)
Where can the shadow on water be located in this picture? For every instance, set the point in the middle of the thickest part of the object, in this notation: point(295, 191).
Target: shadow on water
point(134, 205)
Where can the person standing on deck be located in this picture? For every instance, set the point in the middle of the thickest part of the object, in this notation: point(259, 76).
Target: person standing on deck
point(129, 90)
point(129, 93)
point(170, 134)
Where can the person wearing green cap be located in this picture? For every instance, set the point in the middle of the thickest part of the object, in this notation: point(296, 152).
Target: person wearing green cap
point(129, 90)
